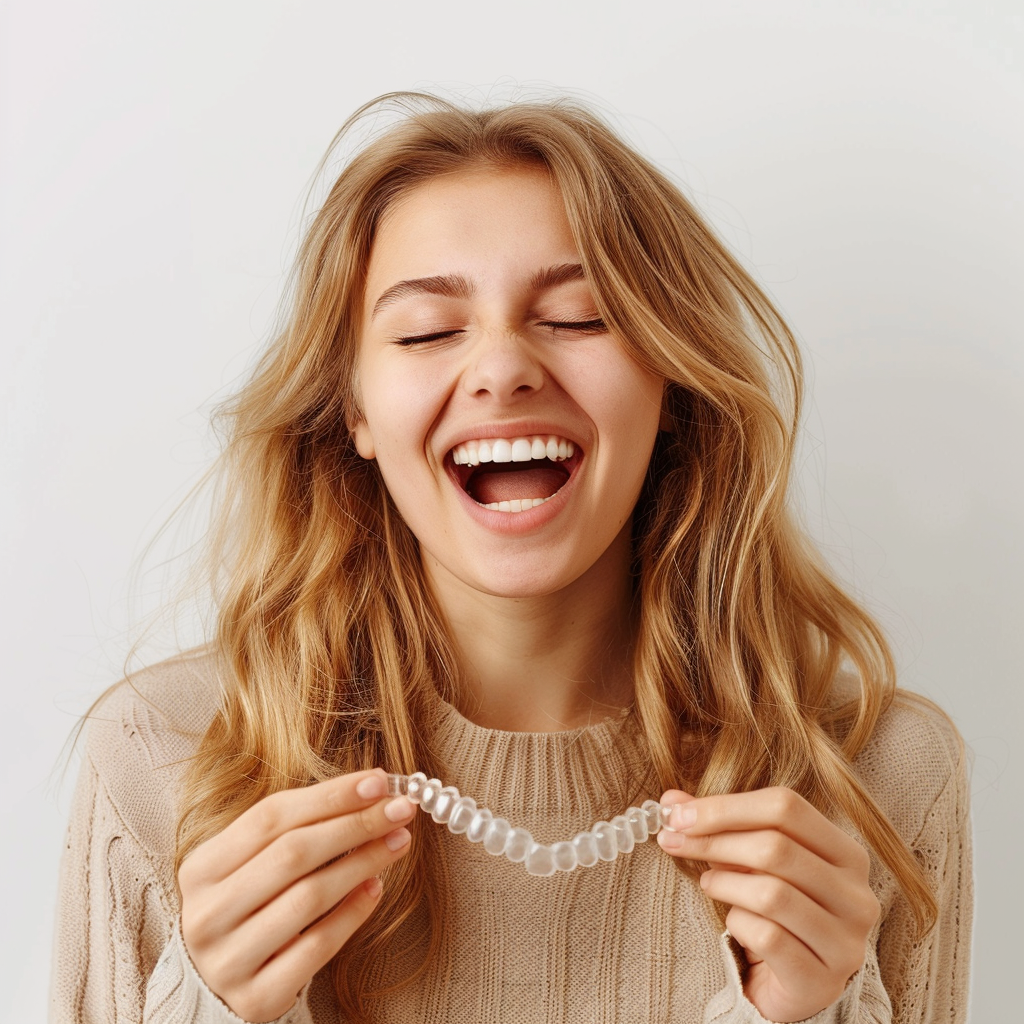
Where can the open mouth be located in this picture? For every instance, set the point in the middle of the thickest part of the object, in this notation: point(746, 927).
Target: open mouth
point(514, 474)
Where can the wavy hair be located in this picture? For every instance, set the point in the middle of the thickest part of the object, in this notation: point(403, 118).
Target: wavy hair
point(329, 640)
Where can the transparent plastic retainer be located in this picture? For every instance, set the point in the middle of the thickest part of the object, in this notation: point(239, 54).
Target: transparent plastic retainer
point(604, 842)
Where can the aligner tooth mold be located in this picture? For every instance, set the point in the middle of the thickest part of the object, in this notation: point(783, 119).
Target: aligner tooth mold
point(605, 840)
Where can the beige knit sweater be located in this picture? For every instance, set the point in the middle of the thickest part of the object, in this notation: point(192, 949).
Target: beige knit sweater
point(629, 941)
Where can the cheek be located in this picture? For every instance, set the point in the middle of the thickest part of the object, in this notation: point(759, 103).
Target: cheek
point(614, 381)
point(401, 402)
point(633, 400)
point(634, 418)
point(404, 382)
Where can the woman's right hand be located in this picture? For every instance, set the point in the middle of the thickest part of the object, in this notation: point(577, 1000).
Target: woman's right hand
point(250, 895)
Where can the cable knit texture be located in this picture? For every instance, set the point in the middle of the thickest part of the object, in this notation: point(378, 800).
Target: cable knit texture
point(629, 941)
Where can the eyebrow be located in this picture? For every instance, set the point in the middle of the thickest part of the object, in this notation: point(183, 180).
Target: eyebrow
point(559, 274)
point(457, 287)
point(452, 285)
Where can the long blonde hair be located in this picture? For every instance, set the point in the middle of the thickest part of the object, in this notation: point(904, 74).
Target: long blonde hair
point(329, 640)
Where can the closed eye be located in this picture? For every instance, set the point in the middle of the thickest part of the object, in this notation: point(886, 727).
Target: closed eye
point(595, 326)
point(420, 338)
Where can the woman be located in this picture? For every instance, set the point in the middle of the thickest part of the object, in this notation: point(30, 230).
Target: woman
point(506, 502)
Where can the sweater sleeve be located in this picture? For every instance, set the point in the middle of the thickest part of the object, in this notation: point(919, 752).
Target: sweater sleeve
point(176, 993)
point(906, 979)
point(118, 951)
point(864, 1000)
point(927, 977)
point(113, 915)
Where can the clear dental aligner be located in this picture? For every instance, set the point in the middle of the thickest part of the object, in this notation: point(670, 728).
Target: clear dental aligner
point(605, 840)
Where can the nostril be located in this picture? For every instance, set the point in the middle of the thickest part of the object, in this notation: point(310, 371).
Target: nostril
point(503, 368)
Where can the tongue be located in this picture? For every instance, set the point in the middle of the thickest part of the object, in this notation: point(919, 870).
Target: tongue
point(488, 484)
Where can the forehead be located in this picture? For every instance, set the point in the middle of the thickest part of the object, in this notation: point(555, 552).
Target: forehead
point(478, 222)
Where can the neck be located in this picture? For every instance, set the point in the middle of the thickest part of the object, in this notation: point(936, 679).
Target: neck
point(549, 662)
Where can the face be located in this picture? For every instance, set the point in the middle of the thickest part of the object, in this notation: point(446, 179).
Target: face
point(511, 428)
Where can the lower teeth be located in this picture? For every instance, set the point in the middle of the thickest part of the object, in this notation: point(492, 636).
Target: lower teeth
point(516, 504)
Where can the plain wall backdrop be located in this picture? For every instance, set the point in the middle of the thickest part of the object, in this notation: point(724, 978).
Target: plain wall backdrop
point(864, 159)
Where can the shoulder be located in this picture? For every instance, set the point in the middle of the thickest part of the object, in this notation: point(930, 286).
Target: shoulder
point(140, 736)
point(174, 700)
point(914, 766)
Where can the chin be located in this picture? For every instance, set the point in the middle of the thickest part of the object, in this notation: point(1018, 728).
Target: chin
point(519, 586)
point(506, 578)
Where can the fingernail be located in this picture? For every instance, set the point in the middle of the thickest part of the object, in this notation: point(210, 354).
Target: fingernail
point(397, 839)
point(372, 787)
point(373, 887)
point(398, 809)
point(683, 816)
point(670, 840)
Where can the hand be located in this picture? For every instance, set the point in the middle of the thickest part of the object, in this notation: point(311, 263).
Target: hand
point(801, 907)
point(258, 917)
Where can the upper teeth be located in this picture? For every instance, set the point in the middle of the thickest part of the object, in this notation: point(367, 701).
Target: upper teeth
point(516, 449)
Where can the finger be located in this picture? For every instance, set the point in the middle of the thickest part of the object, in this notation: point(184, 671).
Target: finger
point(671, 797)
point(226, 904)
point(262, 823)
point(790, 960)
point(769, 852)
point(275, 926)
point(776, 808)
point(292, 967)
point(301, 851)
point(788, 974)
point(774, 900)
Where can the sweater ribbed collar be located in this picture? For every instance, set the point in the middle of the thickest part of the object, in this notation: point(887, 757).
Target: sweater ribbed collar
point(566, 778)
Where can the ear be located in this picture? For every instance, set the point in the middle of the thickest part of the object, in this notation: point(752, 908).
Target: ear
point(361, 436)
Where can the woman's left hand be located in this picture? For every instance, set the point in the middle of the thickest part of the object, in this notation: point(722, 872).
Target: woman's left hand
point(797, 885)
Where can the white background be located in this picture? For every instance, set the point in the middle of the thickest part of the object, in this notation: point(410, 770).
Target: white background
point(864, 159)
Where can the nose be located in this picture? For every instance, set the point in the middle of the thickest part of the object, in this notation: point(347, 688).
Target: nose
point(503, 365)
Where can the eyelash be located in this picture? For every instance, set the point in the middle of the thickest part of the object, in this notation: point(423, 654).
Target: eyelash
point(595, 326)
point(416, 339)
